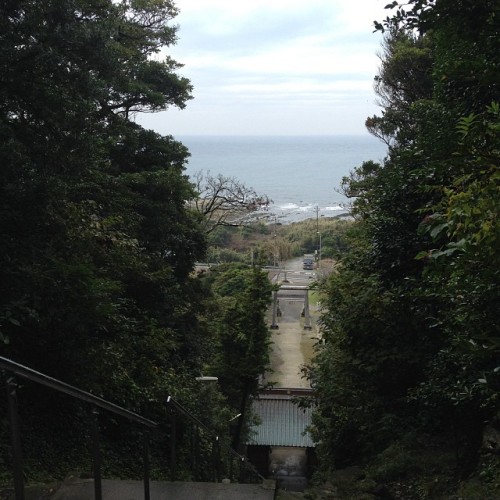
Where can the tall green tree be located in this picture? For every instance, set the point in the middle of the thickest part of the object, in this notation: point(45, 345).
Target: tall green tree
point(416, 296)
point(97, 243)
point(225, 202)
point(242, 339)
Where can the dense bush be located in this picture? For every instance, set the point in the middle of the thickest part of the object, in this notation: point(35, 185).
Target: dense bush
point(410, 324)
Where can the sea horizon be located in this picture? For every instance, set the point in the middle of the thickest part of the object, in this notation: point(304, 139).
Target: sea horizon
point(300, 173)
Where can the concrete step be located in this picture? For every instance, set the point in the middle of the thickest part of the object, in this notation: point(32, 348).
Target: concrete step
point(83, 489)
point(291, 483)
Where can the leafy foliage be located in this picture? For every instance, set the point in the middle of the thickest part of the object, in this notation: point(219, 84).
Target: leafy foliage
point(410, 324)
point(241, 348)
point(97, 243)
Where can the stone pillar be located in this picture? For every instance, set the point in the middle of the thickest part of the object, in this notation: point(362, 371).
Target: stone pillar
point(274, 325)
point(307, 317)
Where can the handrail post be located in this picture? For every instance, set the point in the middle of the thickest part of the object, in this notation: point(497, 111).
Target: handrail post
point(146, 465)
point(96, 454)
point(196, 452)
point(216, 458)
point(95, 403)
point(218, 466)
point(173, 431)
point(240, 470)
point(192, 453)
point(17, 455)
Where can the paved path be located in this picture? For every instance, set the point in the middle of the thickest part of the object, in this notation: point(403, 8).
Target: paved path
point(292, 346)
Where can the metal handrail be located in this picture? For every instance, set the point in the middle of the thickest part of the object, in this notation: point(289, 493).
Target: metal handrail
point(96, 402)
point(199, 423)
point(52, 383)
point(87, 397)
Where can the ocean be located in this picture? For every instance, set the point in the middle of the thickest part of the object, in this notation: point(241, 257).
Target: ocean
point(300, 174)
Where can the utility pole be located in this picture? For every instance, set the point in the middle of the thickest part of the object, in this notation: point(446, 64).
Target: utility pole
point(274, 250)
point(318, 236)
point(319, 254)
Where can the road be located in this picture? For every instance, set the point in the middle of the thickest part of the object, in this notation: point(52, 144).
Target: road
point(292, 345)
point(291, 272)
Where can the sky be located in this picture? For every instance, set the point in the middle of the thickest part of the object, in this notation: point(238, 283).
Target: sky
point(275, 67)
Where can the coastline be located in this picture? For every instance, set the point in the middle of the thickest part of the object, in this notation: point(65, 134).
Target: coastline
point(291, 213)
point(284, 218)
point(300, 174)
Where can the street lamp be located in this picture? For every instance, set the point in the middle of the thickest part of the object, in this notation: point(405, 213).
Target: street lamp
point(207, 379)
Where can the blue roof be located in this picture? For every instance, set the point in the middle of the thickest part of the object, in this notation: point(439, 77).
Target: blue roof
point(282, 422)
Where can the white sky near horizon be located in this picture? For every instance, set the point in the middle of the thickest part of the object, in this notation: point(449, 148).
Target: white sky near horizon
point(275, 67)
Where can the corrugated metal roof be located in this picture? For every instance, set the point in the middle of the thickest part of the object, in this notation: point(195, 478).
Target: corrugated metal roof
point(282, 423)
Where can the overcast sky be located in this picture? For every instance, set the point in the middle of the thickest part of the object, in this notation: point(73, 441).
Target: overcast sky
point(275, 67)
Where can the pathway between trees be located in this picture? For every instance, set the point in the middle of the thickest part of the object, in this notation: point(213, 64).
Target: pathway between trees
point(292, 346)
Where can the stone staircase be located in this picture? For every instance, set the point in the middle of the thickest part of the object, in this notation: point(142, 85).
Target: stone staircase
point(83, 489)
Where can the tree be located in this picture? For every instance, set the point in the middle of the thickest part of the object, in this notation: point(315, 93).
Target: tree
point(225, 201)
point(97, 240)
point(241, 350)
point(415, 294)
point(462, 264)
point(462, 270)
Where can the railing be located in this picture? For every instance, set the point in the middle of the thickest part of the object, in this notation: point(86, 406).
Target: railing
point(96, 403)
point(217, 445)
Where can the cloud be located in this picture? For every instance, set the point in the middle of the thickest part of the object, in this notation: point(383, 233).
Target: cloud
point(269, 54)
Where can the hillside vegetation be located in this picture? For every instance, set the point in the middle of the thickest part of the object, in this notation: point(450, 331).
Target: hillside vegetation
point(98, 244)
point(99, 240)
point(408, 376)
point(270, 244)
